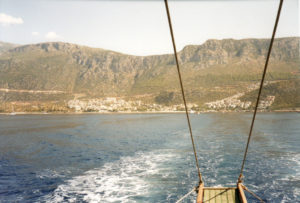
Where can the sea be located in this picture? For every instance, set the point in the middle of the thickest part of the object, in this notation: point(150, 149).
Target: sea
point(145, 157)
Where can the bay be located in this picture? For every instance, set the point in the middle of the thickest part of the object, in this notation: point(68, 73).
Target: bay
point(145, 157)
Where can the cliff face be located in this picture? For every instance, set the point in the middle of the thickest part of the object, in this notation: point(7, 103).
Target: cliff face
point(214, 52)
point(97, 72)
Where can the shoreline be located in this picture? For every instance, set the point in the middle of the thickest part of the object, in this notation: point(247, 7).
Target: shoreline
point(144, 112)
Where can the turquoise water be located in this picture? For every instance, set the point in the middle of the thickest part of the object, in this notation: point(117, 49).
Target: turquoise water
point(145, 157)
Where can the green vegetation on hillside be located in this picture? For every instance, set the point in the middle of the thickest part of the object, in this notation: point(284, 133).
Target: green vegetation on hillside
point(287, 94)
point(211, 71)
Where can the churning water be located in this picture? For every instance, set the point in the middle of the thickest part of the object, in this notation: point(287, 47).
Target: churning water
point(145, 157)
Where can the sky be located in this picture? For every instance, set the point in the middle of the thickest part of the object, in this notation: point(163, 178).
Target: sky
point(141, 27)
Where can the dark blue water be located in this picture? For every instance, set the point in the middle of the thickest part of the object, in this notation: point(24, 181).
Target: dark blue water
point(145, 157)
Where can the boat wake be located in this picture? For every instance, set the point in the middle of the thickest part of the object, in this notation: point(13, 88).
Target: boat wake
point(166, 175)
point(130, 179)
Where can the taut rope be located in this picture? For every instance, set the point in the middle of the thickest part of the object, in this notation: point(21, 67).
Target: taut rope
point(186, 195)
point(182, 90)
point(240, 179)
point(253, 194)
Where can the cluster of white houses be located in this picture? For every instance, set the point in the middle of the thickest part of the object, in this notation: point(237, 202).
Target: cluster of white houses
point(232, 102)
point(108, 104)
point(263, 104)
point(113, 104)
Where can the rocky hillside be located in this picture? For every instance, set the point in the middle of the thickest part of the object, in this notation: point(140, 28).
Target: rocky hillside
point(6, 46)
point(213, 70)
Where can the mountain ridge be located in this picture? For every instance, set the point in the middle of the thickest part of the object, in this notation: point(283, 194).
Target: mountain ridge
point(5, 46)
point(13, 45)
point(94, 72)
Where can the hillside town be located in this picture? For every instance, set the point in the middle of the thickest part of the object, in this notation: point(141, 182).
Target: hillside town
point(229, 103)
point(234, 102)
point(113, 104)
point(117, 104)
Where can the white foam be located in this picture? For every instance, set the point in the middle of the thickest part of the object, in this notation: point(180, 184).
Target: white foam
point(118, 181)
point(140, 177)
point(47, 173)
point(295, 177)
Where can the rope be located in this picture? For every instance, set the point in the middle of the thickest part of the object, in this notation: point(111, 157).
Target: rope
point(253, 194)
point(182, 91)
point(186, 195)
point(260, 89)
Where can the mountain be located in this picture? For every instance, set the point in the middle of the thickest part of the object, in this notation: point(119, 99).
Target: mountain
point(57, 72)
point(6, 46)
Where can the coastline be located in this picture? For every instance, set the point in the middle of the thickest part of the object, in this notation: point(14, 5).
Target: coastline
point(144, 112)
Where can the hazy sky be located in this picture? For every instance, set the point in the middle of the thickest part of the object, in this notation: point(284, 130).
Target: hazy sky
point(141, 27)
